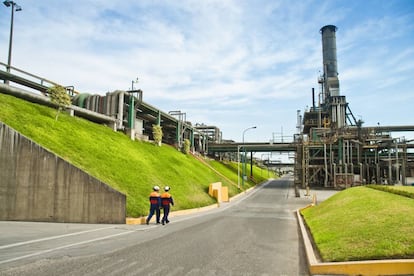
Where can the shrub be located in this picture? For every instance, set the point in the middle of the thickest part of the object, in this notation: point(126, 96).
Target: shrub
point(186, 146)
point(157, 134)
point(59, 97)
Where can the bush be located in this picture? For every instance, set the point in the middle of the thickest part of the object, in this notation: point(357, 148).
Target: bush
point(157, 134)
point(186, 146)
point(59, 97)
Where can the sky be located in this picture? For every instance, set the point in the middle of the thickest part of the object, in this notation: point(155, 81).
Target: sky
point(229, 64)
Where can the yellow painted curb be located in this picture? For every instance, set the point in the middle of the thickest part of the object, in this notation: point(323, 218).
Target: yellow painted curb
point(131, 221)
point(381, 267)
point(375, 267)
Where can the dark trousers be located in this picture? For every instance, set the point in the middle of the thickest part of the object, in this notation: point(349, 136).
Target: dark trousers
point(166, 212)
point(154, 209)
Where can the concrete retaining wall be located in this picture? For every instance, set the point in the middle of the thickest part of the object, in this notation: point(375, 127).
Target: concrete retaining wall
point(37, 185)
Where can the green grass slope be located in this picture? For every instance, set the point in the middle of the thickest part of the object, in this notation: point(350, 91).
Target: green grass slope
point(229, 169)
point(363, 224)
point(131, 167)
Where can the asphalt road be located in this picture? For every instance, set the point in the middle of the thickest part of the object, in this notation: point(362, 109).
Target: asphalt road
point(256, 234)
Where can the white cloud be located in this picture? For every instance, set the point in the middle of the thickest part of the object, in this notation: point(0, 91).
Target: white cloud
point(229, 63)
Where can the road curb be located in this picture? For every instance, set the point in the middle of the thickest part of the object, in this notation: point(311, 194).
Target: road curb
point(374, 267)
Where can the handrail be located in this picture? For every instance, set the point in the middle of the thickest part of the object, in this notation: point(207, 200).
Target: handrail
point(42, 80)
point(29, 74)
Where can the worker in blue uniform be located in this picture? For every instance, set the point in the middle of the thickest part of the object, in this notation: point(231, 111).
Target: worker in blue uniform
point(155, 205)
point(166, 201)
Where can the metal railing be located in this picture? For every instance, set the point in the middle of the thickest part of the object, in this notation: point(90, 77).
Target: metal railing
point(30, 80)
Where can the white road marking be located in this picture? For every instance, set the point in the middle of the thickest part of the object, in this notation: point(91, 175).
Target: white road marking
point(64, 236)
point(53, 237)
point(65, 246)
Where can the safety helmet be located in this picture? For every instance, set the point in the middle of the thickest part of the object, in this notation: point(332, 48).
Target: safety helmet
point(166, 188)
point(156, 188)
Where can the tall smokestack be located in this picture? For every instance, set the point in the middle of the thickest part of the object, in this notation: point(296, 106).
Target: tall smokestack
point(330, 69)
point(337, 104)
point(313, 98)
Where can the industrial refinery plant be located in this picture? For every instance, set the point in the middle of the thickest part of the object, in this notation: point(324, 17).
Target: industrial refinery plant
point(333, 149)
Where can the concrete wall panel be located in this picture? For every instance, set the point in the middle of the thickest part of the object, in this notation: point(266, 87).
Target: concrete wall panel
point(37, 185)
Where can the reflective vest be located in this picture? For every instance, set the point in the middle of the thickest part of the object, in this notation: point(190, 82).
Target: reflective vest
point(166, 199)
point(154, 198)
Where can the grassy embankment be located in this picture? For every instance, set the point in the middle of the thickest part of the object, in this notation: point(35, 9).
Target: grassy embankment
point(362, 223)
point(131, 167)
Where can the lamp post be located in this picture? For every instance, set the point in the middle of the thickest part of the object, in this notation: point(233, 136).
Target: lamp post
point(132, 83)
point(14, 6)
point(244, 155)
point(238, 167)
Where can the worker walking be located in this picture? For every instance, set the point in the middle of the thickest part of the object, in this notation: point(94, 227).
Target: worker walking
point(155, 205)
point(166, 200)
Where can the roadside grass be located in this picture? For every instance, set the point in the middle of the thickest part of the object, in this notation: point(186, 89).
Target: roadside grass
point(362, 224)
point(229, 169)
point(131, 167)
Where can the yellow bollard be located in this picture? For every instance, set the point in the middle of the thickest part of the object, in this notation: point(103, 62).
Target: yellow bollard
point(225, 194)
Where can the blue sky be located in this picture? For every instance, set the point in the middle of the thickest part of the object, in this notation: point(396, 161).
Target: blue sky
point(231, 64)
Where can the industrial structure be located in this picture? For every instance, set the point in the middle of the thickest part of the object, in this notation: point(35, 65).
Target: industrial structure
point(333, 149)
point(121, 110)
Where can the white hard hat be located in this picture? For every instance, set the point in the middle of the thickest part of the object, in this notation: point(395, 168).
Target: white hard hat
point(156, 188)
point(166, 188)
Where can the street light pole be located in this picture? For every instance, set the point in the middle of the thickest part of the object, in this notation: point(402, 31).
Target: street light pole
point(238, 167)
point(244, 155)
point(16, 7)
point(132, 83)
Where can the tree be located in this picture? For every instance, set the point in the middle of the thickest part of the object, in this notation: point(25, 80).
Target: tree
point(157, 134)
point(186, 147)
point(59, 97)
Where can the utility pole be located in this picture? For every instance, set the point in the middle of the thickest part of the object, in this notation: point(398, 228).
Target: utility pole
point(14, 7)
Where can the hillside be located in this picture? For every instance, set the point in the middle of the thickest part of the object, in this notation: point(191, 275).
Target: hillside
point(131, 167)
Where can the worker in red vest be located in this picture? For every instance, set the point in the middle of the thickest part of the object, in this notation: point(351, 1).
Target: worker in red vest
point(155, 204)
point(166, 201)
